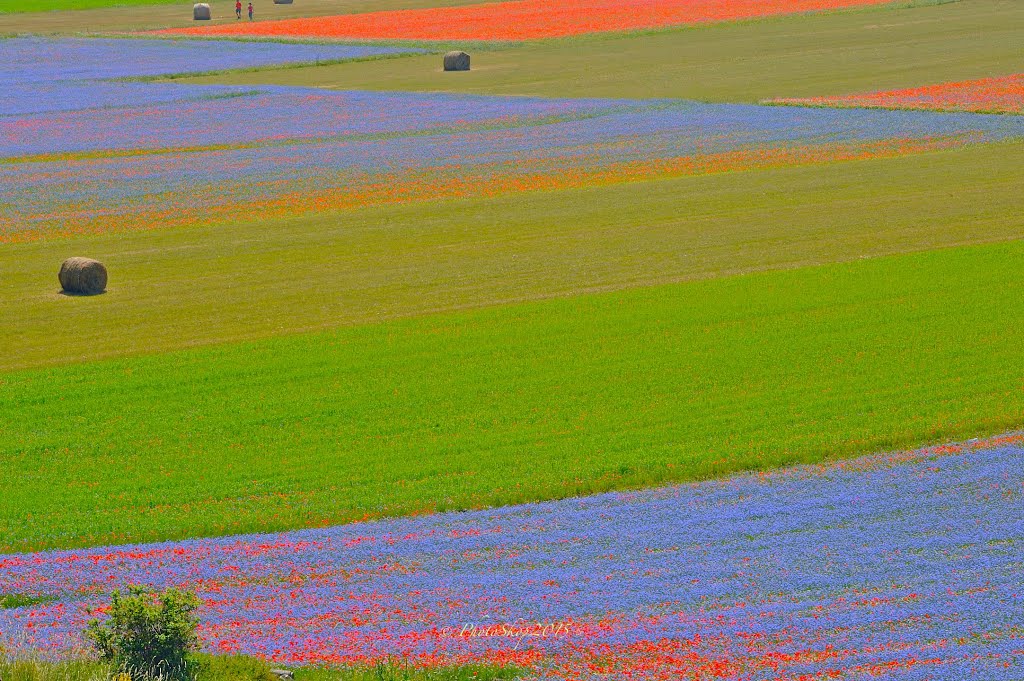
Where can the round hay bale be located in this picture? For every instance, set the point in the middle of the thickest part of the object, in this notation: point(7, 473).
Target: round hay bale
point(456, 61)
point(200, 12)
point(83, 276)
point(282, 2)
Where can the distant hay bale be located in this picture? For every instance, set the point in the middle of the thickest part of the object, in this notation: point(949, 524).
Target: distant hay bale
point(200, 12)
point(83, 276)
point(456, 61)
point(282, 2)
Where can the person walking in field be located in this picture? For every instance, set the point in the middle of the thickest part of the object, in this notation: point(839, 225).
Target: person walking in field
point(250, 11)
point(238, 9)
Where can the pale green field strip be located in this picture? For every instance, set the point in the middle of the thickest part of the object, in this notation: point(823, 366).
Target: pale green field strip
point(78, 16)
point(795, 56)
point(72, 5)
point(184, 287)
point(516, 403)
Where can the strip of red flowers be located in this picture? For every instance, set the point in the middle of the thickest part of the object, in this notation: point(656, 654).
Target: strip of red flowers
point(1004, 94)
point(525, 19)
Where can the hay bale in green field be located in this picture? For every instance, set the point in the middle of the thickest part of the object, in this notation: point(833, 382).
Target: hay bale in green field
point(456, 61)
point(200, 12)
point(282, 2)
point(83, 276)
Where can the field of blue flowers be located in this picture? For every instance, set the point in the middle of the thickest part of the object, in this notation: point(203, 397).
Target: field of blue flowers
point(78, 149)
point(903, 566)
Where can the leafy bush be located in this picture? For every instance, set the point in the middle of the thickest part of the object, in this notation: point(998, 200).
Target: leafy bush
point(148, 635)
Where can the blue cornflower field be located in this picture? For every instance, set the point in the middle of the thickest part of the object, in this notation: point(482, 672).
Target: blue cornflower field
point(903, 566)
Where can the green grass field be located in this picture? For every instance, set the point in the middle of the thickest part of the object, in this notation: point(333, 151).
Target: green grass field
point(517, 403)
point(462, 353)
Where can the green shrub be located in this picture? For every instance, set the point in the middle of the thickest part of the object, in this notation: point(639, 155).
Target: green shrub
point(148, 635)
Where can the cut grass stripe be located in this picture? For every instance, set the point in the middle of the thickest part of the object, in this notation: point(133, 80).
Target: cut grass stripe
point(10, 601)
point(516, 403)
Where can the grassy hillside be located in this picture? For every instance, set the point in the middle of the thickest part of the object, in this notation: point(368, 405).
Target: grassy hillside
point(516, 403)
point(796, 56)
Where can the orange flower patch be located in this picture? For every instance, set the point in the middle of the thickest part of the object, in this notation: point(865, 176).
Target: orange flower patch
point(988, 95)
point(525, 19)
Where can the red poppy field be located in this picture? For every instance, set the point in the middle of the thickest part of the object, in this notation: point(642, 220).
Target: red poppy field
point(1004, 94)
point(527, 19)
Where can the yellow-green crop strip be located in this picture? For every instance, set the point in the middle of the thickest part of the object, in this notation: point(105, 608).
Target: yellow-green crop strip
point(178, 288)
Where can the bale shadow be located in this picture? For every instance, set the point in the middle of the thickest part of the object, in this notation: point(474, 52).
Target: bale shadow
point(73, 294)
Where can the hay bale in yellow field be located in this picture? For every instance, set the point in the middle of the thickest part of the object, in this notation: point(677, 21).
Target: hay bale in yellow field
point(200, 12)
point(83, 276)
point(456, 61)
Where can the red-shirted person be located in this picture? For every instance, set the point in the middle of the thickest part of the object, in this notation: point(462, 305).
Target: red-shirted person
point(238, 9)
point(250, 11)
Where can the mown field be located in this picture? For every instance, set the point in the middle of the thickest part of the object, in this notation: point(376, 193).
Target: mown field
point(457, 353)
